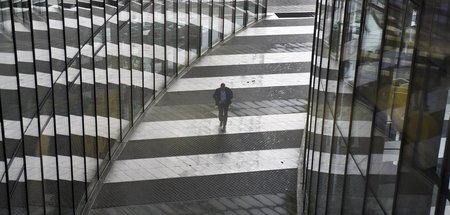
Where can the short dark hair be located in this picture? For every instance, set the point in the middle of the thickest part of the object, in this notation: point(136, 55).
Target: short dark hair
point(222, 85)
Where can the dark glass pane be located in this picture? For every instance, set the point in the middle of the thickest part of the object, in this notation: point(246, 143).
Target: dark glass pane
point(125, 72)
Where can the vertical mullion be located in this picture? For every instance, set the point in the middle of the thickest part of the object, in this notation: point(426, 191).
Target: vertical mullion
point(211, 26)
point(233, 17)
point(245, 13)
point(164, 67)
point(188, 33)
point(257, 11)
point(142, 56)
point(200, 31)
point(119, 69)
point(176, 37)
point(153, 45)
point(223, 20)
point(130, 11)
point(22, 136)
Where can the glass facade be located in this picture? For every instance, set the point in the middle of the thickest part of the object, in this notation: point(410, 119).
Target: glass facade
point(76, 75)
point(379, 106)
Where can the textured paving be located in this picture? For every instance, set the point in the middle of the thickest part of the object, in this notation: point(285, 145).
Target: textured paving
point(178, 161)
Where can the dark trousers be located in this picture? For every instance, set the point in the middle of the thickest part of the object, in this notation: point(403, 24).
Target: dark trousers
point(223, 114)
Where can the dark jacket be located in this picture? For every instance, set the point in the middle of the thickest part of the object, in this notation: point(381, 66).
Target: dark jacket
point(228, 93)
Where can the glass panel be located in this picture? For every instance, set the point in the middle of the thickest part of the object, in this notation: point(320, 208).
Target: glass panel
point(125, 74)
point(252, 11)
point(240, 14)
point(3, 165)
point(76, 136)
point(206, 23)
point(137, 63)
point(113, 81)
point(338, 146)
point(63, 143)
point(171, 39)
point(101, 97)
point(325, 128)
point(49, 162)
point(88, 111)
point(148, 52)
point(28, 107)
point(316, 122)
point(366, 87)
point(262, 9)
point(182, 33)
point(217, 32)
point(228, 22)
point(11, 120)
point(353, 195)
point(385, 146)
point(424, 136)
point(194, 30)
point(159, 46)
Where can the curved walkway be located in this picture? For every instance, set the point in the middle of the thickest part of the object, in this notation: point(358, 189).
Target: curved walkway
point(177, 160)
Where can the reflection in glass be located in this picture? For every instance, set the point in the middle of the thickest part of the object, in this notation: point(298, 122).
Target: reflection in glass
point(206, 24)
point(240, 11)
point(183, 11)
point(194, 30)
point(149, 88)
point(171, 39)
point(137, 57)
point(160, 52)
point(125, 75)
point(217, 31)
point(228, 17)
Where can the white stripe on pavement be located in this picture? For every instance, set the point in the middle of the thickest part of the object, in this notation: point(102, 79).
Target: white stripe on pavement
point(261, 58)
point(210, 126)
point(244, 81)
point(202, 165)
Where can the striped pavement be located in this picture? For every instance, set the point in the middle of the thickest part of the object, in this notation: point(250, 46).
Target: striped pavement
point(178, 161)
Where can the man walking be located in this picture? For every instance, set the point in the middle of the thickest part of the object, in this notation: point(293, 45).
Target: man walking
point(223, 96)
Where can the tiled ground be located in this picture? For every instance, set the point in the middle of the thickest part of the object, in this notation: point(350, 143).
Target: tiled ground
point(178, 161)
